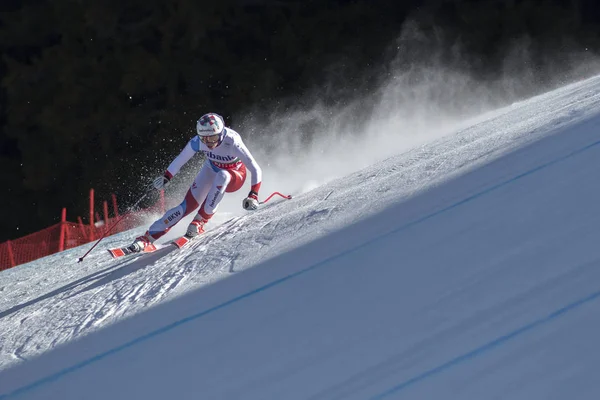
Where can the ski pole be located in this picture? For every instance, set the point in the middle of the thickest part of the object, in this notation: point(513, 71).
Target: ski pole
point(116, 223)
point(278, 194)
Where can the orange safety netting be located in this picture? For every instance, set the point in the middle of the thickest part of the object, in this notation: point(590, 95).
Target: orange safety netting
point(65, 235)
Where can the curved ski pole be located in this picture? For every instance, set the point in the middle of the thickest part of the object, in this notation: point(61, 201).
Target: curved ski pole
point(278, 194)
point(116, 223)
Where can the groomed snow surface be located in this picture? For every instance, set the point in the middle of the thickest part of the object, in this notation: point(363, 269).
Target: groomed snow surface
point(465, 268)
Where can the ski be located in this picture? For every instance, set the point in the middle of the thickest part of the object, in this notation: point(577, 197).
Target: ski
point(125, 251)
point(181, 242)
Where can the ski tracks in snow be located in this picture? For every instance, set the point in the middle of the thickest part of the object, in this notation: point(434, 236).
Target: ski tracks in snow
point(74, 301)
point(92, 302)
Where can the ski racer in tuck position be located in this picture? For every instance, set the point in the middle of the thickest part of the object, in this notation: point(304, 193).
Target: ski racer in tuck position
point(224, 170)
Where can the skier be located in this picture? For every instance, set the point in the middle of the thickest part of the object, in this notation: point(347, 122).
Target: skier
point(224, 170)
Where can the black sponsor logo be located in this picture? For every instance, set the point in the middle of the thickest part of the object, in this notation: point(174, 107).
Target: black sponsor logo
point(173, 216)
point(214, 199)
point(214, 156)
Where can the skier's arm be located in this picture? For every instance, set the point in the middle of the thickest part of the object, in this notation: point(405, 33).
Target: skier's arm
point(246, 157)
point(188, 152)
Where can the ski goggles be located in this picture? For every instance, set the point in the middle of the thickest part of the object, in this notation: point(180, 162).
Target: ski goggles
point(212, 139)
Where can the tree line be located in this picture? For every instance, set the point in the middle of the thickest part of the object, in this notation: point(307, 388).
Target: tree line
point(103, 94)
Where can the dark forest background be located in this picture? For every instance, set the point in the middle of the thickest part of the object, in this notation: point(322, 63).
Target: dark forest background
point(92, 92)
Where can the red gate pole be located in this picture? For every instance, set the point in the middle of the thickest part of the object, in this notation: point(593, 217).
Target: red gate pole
point(67, 237)
point(63, 220)
point(105, 209)
point(91, 214)
point(81, 227)
point(115, 208)
point(11, 256)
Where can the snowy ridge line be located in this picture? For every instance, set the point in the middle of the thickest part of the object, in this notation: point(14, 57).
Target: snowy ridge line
point(495, 343)
point(488, 346)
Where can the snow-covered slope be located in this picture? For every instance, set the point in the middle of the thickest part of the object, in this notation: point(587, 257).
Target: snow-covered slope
point(464, 268)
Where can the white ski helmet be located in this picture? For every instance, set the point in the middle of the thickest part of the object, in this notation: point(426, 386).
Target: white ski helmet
point(210, 124)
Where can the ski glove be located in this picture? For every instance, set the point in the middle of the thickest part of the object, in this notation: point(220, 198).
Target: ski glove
point(251, 202)
point(161, 182)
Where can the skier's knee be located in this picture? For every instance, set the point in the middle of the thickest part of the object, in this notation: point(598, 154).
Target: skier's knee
point(222, 178)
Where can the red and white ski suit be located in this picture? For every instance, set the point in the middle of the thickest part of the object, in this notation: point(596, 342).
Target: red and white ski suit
point(224, 170)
